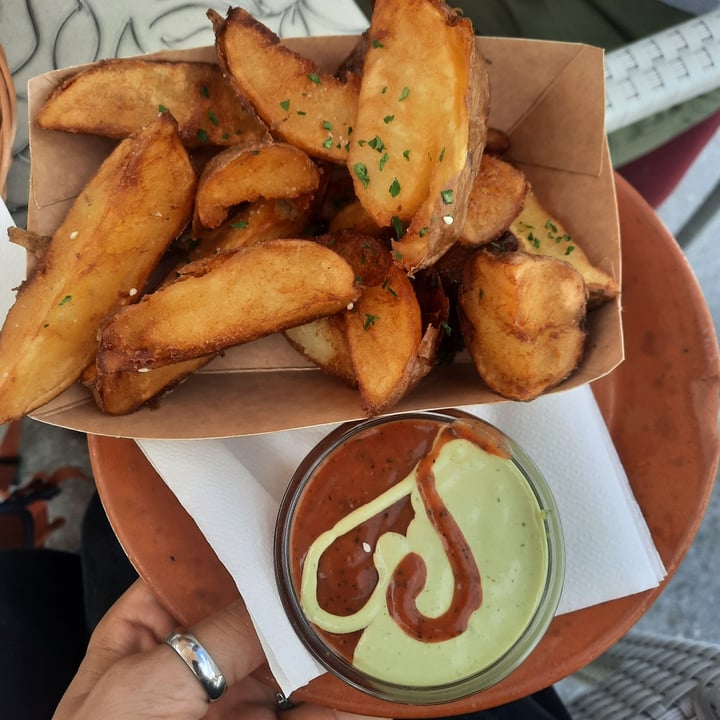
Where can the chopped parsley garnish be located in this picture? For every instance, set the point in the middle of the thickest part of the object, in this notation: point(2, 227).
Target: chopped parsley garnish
point(65, 300)
point(447, 196)
point(569, 249)
point(423, 231)
point(404, 93)
point(314, 78)
point(327, 124)
point(397, 226)
point(383, 160)
point(370, 320)
point(394, 188)
point(361, 173)
point(240, 225)
point(377, 144)
point(441, 157)
point(328, 142)
point(213, 118)
point(388, 119)
point(386, 286)
point(163, 109)
point(301, 112)
point(406, 154)
point(377, 44)
point(204, 91)
point(202, 135)
point(285, 105)
point(446, 327)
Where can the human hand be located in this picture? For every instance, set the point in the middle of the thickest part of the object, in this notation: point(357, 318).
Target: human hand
point(129, 671)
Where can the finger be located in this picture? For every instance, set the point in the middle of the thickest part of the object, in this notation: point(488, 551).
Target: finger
point(229, 638)
point(136, 622)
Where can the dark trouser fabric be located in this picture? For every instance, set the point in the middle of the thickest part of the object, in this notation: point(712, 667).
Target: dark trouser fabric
point(50, 601)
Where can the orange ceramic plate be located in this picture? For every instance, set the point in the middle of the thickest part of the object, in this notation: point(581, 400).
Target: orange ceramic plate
point(661, 408)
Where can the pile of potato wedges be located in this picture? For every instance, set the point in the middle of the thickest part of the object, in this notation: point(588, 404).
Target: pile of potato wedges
point(368, 215)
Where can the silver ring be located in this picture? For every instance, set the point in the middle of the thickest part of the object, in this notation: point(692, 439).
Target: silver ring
point(201, 665)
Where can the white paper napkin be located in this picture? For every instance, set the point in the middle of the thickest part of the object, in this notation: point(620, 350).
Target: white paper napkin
point(12, 263)
point(232, 488)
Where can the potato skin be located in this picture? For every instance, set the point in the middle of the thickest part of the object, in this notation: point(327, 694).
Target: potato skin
point(419, 135)
point(231, 298)
point(300, 104)
point(98, 260)
point(117, 98)
point(523, 320)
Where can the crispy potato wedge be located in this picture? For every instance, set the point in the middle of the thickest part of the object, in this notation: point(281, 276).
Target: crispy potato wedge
point(496, 199)
point(116, 98)
point(98, 260)
point(246, 173)
point(123, 392)
point(300, 104)
point(540, 232)
point(323, 342)
point(384, 328)
point(254, 223)
point(523, 320)
point(419, 135)
point(231, 298)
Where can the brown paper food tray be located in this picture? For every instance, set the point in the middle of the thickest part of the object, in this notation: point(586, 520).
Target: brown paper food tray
point(549, 97)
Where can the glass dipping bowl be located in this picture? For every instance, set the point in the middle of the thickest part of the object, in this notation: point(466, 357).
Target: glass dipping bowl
point(393, 606)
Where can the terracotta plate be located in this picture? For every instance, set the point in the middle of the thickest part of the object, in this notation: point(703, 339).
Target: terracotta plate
point(661, 408)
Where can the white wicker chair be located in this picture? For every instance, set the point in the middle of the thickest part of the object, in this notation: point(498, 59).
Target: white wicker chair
point(648, 676)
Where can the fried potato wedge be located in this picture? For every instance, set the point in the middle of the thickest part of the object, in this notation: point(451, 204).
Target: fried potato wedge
point(354, 217)
point(308, 108)
point(419, 135)
point(231, 298)
point(254, 223)
point(249, 172)
point(324, 343)
point(496, 199)
point(384, 328)
point(116, 98)
point(523, 320)
point(123, 392)
point(98, 260)
point(540, 232)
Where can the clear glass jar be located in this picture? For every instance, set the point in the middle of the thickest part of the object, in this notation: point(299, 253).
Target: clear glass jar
point(414, 568)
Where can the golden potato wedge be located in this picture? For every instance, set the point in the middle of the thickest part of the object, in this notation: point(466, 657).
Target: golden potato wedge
point(300, 104)
point(383, 329)
point(98, 260)
point(253, 223)
point(246, 173)
point(231, 298)
point(120, 393)
point(116, 98)
point(324, 343)
point(123, 392)
point(541, 233)
point(523, 320)
point(496, 199)
point(419, 135)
